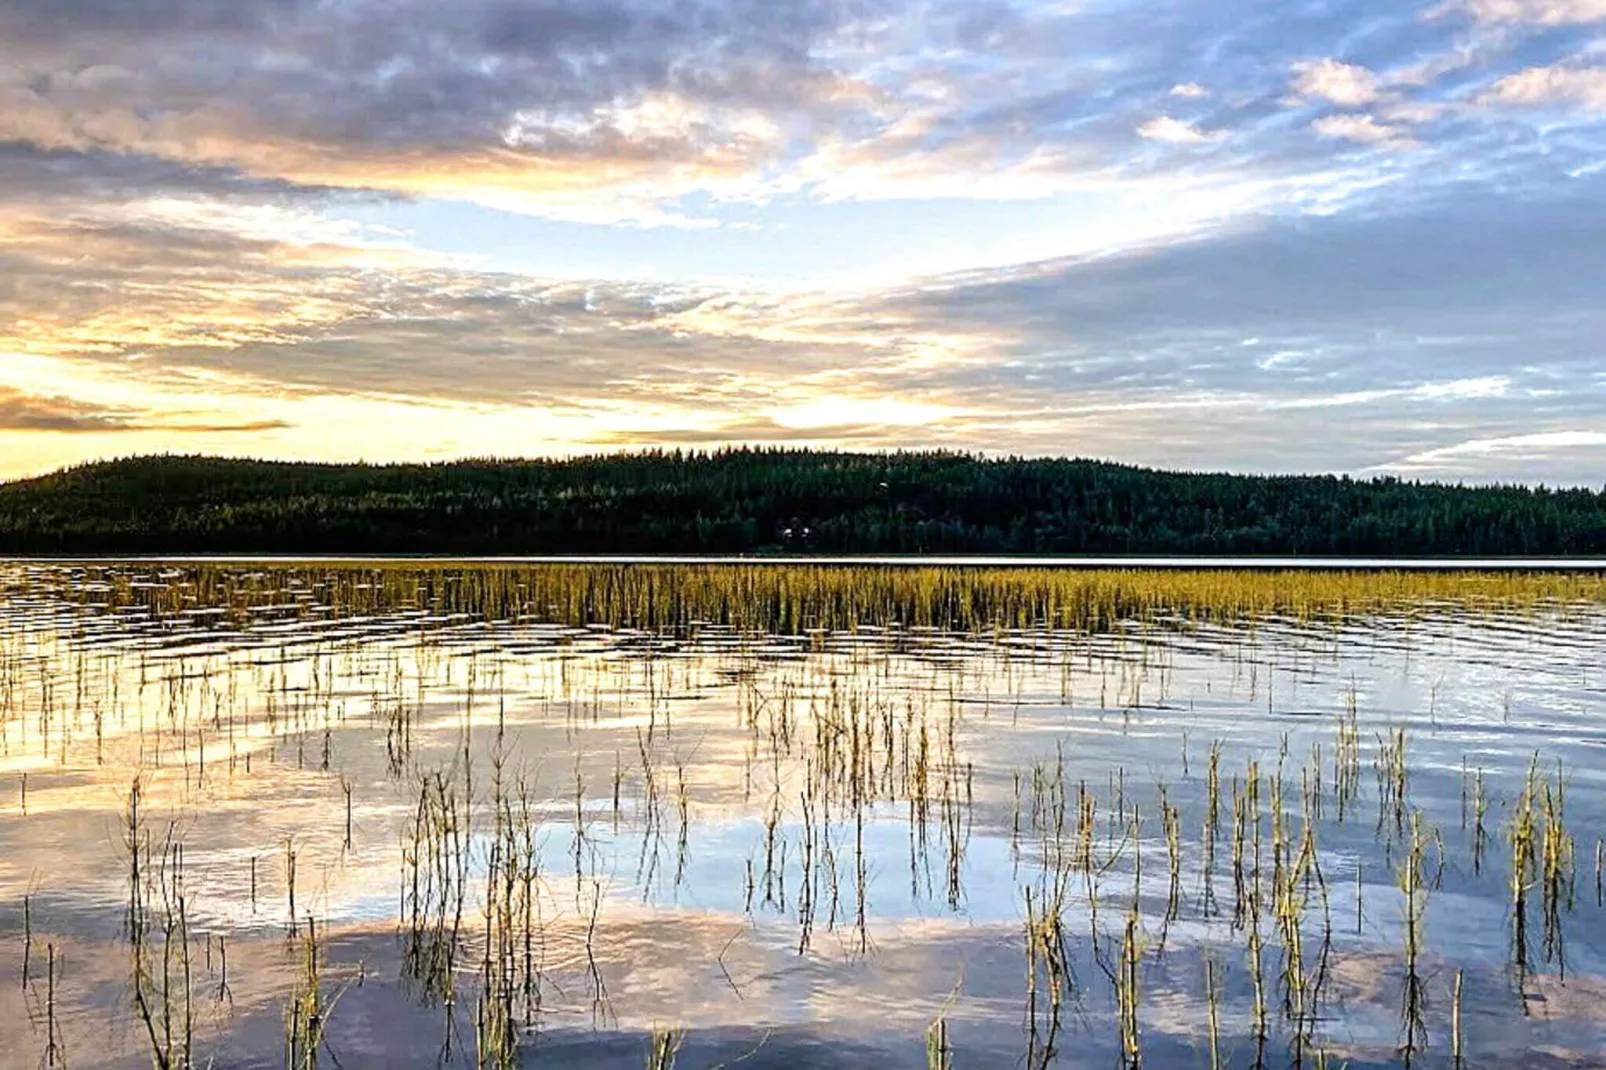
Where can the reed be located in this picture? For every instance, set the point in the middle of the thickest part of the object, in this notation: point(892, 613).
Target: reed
point(1414, 892)
point(158, 928)
point(1259, 1015)
point(27, 939)
point(939, 1053)
point(1393, 774)
point(1521, 875)
point(663, 1047)
point(1347, 756)
point(311, 1004)
point(55, 1054)
point(290, 882)
point(346, 790)
point(1480, 808)
point(1209, 829)
point(1127, 992)
point(600, 1009)
point(1457, 1038)
point(1171, 825)
point(788, 600)
point(434, 879)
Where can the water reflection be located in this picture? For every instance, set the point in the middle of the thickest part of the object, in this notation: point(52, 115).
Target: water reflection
point(492, 817)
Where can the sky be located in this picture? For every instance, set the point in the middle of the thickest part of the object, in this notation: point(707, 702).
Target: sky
point(1362, 236)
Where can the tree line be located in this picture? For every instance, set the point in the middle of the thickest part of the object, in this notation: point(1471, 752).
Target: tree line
point(753, 501)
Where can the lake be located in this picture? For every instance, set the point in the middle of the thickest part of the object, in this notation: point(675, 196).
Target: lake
point(360, 814)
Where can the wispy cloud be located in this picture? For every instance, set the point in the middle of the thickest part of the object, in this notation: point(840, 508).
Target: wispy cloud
point(28, 412)
point(1535, 12)
point(1346, 84)
point(1362, 128)
point(1580, 87)
point(1523, 451)
point(1175, 131)
point(21, 411)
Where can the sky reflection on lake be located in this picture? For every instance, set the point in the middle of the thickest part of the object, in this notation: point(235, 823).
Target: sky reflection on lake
point(798, 846)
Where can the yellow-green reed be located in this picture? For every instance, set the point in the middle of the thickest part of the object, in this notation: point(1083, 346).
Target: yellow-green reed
point(788, 598)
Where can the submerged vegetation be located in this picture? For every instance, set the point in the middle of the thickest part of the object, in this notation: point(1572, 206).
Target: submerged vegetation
point(689, 816)
point(778, 501)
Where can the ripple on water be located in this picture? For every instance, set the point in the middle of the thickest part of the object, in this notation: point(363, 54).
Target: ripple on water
point(802, 844)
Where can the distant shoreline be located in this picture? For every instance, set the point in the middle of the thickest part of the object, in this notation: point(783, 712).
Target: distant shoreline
point(757, 505)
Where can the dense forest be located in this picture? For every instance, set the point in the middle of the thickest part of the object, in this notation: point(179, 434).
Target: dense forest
point(772, 501)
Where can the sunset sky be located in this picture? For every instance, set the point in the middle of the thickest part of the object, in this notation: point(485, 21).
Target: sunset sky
point(1366, 237)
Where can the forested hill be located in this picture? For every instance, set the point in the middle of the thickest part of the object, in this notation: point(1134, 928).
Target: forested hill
point(755, 501)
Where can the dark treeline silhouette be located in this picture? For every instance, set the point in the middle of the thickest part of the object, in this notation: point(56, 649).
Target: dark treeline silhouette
point(765, 500)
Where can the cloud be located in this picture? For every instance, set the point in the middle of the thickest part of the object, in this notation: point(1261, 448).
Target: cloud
point(1530, 449)
point(638, 114)
point(1580, 87)
point(764, 430)
point(1405, 328)
point(634, 113)
point(25, 412)
point(543, 107)
point(116, 291)
point(246, 427)
point(1535, 12)
point(234, 216)
point(1386, 106)
point(1412, 112)
point(101, 284)
point(1175, 132)
point(51, 176)
point(1399, 321)
point(1345, 84)
point(21, 411)
point(1373, 306)
point(1362, 128)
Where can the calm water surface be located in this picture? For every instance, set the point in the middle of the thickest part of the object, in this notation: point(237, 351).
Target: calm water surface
point(1068, 846)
